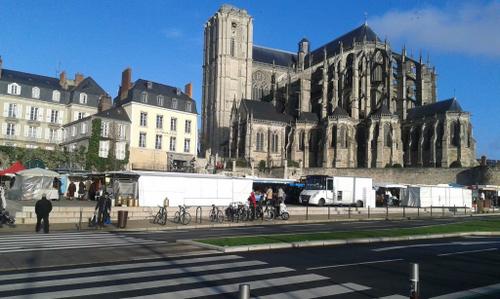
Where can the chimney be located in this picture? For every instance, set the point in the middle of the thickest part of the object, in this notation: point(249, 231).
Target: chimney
point(63, 80)
point(78, 78)
point(104, 103)
point(1, 61)
point(126, 83)
point(188, 89)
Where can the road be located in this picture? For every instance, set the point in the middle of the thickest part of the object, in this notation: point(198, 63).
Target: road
point(141, 264)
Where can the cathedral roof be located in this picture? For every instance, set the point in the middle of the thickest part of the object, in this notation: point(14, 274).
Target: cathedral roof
point(333, 47)
point(450, 105)
point(264, 111)
point(339, 112)
point(267, 55)
point(382, 111)
point(308, 117)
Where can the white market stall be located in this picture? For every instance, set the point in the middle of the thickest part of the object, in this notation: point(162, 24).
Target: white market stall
point(30, 184)
point(191, 189)
point(436, 196)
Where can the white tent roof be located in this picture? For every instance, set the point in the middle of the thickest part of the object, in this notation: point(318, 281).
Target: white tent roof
point(37, 172)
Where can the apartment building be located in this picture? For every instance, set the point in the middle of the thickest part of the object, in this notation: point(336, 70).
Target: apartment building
point(163, 131)
point(36, 107)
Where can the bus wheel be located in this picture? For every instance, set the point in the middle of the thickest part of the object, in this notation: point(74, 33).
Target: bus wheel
point(321, 202)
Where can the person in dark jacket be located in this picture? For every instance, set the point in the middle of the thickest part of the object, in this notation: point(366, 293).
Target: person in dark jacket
point(81, 190)
point(103, 207)
point(43, 207)
point(71, 191)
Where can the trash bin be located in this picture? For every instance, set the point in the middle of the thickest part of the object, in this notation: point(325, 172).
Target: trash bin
point(122, 219)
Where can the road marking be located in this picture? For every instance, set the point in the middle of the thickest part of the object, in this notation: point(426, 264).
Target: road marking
point(128, 266)
point(119, 276)
point(394, 297)
point(468, 251)
point(435, 245)
point(180, 281)
point(232, 288)
point(354, 264)
point(160, 256)
point(312, 224)
point(157, 232)
point(319, 292)
point(231, 228)
point(490, 289)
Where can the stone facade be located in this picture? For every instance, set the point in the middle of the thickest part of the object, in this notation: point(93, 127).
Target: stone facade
point(353, 102)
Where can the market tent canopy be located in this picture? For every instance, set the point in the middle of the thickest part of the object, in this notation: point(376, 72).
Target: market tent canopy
point(13, 169)
point(31, 184)
point(38, 172)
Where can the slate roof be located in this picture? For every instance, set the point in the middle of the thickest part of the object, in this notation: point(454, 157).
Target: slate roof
point(116, 113)
point(168, 92)
point(30, 79)
point(333, 47)
point(264, 111)
point(339, 112)
point(308, 117)
point(88, 85)
point(382, 111)
point(450, 105)
point(267, 55)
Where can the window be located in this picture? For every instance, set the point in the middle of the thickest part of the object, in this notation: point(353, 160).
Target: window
point(172, 143)
point(158, 142)
point(12, 110)
point(187, 145)
point(11, 129)
point(302, 140)
point(35, 92)
point(144, 119)
point(120, 150)
point(83, 98)
point(188, 126)
point(121, 131)
point(73, 131)
point(232, 45)
point(173, 124)
point(142, 139)
point(188, 107)
point(83, 128)
point(174, 103)
point(104, 129)
point(31, 132)
point(56, 96)
point(103, 149)
point(160, 100)
point(54, 115)
point(52, 134)
point(274, 142)
point(144, 97)
point(159, 121)
point(260, 141)
point(34, 113)
point(80, 115)
point(14, 89)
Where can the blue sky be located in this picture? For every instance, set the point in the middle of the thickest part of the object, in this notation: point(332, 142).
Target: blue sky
point(162, 41)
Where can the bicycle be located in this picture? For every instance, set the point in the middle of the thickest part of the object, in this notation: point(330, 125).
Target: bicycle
point(161, 216)
point(182, 216)
point(216, 215)
point(269, 212)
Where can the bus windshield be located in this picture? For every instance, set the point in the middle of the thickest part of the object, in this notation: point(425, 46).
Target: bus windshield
point(315, 183)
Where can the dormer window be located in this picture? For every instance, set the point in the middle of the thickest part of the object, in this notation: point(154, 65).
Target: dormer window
point(188, 107)
point(35, 92)
point(144, 97)
point(174, 103)
point(83, 98)
point(14, 89)
point(56, 96)
point(160, 100)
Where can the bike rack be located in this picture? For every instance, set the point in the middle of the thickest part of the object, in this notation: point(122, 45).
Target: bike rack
point(198, 210)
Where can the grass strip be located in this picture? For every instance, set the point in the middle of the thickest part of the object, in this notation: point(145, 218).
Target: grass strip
point(463, 227)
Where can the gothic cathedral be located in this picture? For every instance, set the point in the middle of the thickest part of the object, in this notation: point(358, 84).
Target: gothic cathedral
point(352, 102)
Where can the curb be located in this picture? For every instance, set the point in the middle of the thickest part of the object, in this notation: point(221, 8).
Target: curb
point(321, 243)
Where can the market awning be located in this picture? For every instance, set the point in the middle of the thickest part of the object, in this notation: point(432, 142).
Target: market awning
point(13, 169)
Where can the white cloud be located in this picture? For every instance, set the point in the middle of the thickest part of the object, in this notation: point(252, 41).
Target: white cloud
point(472, 29)
point(173, 33)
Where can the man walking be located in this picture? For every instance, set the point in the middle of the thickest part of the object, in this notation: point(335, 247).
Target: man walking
point(43, 207)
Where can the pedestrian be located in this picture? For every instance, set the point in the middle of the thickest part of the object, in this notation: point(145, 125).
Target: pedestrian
point(92, 191)
point(3, 202)
point(281, 199)
point(103, 207)
point(43, 207)
point(253, 203)
point(71, 190)
point(81, 190)
point(269, 196)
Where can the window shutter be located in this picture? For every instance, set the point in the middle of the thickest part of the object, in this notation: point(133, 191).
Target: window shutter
point(5, 109)
point(60, 117)
point(47, 133)
point(18, 130)
point(40, 114)
point(49, 113)
point(4, 129)
point(75, 115)
point(39, 133)
point(59, 135)
point(18, 110)
point(26, 129)
point(27, 114)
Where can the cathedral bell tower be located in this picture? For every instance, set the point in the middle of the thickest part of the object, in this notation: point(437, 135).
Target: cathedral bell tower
point(227, 69)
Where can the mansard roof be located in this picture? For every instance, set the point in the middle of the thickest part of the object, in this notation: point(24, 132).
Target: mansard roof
point(153, 90)
point(267, 55)
point(264, 111)
point(30, 79)
point(88, 85)
point(333, 47)
point(450, 105)
point(117, 113)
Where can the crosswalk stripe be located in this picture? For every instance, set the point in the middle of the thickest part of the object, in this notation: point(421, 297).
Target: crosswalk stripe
point(231, 288)
point(396, 296)
point(111, 277)
point(128, 266)
point(56, 235)
point(68, 238)
point(318, 292)
point(76, 242)
point(180, 281)
point(21, 249)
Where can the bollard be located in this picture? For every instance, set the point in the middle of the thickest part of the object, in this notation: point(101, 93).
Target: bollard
point(368, 212)
point(244, 291)
point(454, 210)
point(349, 212)
point(442, 211)
point(196, 217)
point(418, 212)
point(414, 281)
point(307, 211)
point(80, 220)
point(431, 211)
point(404, 212)
point(328, 212)
point(386, 212)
